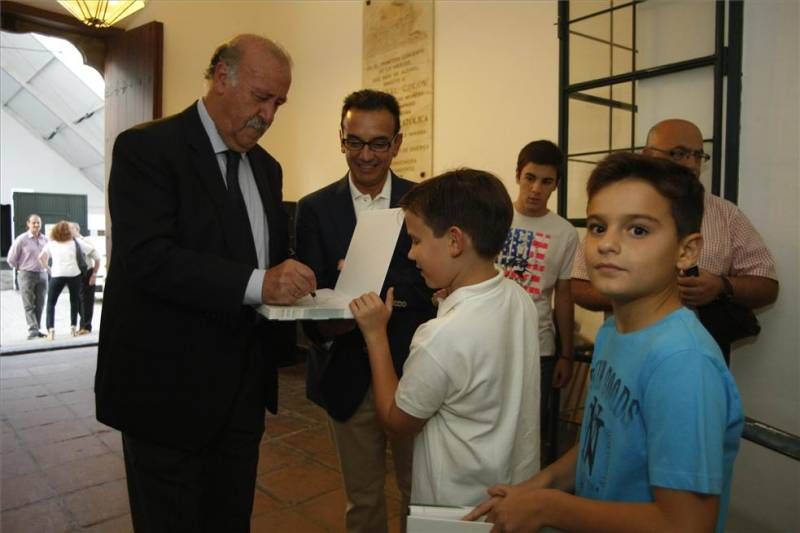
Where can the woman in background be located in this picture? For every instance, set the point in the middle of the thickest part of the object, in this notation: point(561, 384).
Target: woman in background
point(67, 256)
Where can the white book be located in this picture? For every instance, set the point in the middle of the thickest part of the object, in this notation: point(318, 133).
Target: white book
point(442, 519)
point(365, 266)
point(448, 519)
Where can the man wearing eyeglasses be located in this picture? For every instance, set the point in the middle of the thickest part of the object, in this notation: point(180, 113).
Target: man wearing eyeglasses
point(735, 264)
point(338, 371)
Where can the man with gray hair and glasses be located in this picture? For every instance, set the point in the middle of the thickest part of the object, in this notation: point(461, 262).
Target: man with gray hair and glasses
point(736, 269)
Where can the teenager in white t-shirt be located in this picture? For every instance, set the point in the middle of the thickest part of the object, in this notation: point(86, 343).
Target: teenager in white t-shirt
point(470, 384)
point(538, 255)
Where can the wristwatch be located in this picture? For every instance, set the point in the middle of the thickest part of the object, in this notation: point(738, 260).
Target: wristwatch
point(727, 289)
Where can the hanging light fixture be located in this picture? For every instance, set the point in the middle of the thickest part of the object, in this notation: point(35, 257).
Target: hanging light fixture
point(102, 13)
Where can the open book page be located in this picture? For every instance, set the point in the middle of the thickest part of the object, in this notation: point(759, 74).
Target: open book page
point(327, 305)
point(365, 266)
point(442, 519)
point(447, 519)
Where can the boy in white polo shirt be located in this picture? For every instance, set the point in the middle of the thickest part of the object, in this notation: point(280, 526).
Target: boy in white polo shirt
point(470, 386)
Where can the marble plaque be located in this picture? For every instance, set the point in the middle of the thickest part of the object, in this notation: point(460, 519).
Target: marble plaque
point(398, 59)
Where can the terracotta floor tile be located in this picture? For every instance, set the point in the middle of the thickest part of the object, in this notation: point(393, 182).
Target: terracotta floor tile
point(52, 433)
point(284, 424)
point(264, 503)
point(70, 450)
point(99, 503)
point(285, 521)
point(327, 510)
point(120, 524)
point(273, 455)
point(86, 472)
point(17, 463)
point(313, 441)
point(42, 416)
point(313, 412)
point(298, 483)
point(45, 517)
point(26, 489)
point(328, 458)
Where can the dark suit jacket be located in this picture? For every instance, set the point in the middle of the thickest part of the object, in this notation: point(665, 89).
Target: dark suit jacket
point(338, 377)
point(177, 348)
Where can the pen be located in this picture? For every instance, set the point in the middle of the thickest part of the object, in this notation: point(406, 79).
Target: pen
point(293, 255)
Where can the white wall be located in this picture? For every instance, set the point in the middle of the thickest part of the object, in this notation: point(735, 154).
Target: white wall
point(496, 68)
point(766, 491)
point(26, 162)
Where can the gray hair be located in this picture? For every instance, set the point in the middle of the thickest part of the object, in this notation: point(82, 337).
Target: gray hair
point(231, 52)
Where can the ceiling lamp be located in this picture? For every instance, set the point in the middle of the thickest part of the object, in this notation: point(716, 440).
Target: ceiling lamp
point(102, 13)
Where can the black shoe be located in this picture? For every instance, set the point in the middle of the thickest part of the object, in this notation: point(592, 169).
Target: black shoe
point(34, 335)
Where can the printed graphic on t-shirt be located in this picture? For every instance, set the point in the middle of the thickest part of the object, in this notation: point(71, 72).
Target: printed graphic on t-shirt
point(523, 258)
point(609, 413)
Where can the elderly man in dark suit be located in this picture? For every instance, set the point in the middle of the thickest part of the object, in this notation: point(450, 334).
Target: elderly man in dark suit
point(199, 237)
point(338, 372)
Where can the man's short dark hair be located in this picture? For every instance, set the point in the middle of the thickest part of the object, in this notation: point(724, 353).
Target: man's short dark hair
point(541, 153)
point(371, 100)
point(474, 200)
point(677, 184)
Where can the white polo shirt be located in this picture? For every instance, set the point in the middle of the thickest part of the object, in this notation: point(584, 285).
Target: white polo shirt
point(473, 372)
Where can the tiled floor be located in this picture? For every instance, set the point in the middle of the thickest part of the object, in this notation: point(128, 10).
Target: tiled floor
point(62, 471)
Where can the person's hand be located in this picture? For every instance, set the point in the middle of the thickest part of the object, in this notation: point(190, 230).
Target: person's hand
point(516, 508)
point(482, 509)
point(562, 372)
point(701, 289)
point(92, 280)
point(371, 313)
point(334, 328)
point(287, 282)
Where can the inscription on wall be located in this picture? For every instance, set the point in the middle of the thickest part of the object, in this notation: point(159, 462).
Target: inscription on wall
point(398, 59)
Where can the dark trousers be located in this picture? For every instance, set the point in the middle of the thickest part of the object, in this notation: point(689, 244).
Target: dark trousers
point(175, 491)
point(87, 302)
point(54, 289)
point(548, 410)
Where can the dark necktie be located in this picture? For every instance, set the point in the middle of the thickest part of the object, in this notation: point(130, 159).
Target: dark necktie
point(237, 208)
point(232, 177)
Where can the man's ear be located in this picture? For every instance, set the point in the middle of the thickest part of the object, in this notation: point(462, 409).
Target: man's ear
point(220, 79)
point(341, 143)
point(458, 241)
point(689, 251)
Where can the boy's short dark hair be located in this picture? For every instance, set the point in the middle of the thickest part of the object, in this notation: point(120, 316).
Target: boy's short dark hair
point(541, 153)
point(672, 181)
point(474, 200)
point(371, 100)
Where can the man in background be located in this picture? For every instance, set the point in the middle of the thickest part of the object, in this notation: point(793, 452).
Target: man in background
point(31, 275)
point(735, 264)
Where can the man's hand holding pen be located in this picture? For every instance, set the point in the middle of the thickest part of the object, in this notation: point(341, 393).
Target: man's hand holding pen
point(288, 282)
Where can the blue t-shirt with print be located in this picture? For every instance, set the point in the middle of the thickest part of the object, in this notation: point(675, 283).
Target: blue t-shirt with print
point(662, 410)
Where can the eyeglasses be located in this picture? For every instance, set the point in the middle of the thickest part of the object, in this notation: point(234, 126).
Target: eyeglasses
point(679, 154)
point(381, 144)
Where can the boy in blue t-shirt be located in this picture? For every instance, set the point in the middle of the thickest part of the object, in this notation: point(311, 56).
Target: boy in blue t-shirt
point(663, 418)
